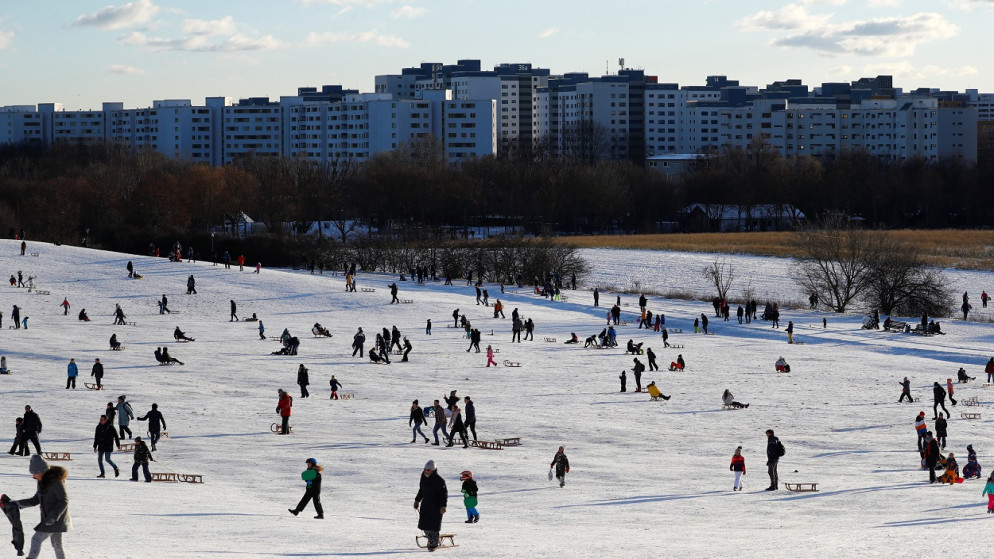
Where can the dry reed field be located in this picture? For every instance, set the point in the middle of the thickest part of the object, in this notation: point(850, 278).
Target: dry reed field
point(946, 248)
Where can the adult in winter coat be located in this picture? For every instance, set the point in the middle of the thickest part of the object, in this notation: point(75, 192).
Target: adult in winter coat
point(142, 456)
point(234, 308)
point(652, 359)
point(515, 329)
point(921, 429)
point(790, 331)
point(905, 391)
point(407, 348)
point(302, 380)
point(357, 342)
point(561, 463)
point(469, 492)
point(704, 323)
point(283, 408)
point(313, 490)
point(931, 455)
point(940, 431)
point(939, 396)
point(72, 372)
point(53, 501)
point(457, 427)
point(30, 427)
point(393, 293)
point(124, 415)
point(181, 336)
point(191, 285)
point(104, 440)
point(417, 418)
point(989, 369)
point(738, 466)
point(439, 413)
point(637, 371)
point(469, 420)
point(430, 503)
point(97, 372)
point(155, 424)
point(335, 385)
point(395, 338)
point(772, 458)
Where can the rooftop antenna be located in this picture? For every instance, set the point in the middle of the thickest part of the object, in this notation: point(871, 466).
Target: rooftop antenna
point(621, 64)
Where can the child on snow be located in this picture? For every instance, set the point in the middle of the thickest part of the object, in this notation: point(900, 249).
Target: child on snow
point(469, 490)
point(989, 491)
point(738, 466)
point(972, 468)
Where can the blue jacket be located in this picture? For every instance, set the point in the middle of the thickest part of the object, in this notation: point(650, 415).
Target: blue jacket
point(124, 413)
point(73, 370)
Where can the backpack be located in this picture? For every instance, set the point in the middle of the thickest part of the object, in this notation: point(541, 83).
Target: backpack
point(780, 450)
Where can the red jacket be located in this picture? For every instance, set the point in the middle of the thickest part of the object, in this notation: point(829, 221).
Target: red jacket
point(241, 259)
point(283, 407)
point(738, 464)
point(990, 367)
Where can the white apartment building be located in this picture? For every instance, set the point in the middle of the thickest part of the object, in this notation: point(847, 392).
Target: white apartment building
point(21, 123)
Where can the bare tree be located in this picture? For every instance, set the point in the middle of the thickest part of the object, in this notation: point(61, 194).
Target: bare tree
point(721, 275)
point(837, 260)
point(903, 284)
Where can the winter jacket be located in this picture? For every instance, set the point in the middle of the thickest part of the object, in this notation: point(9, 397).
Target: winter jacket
point(990, 366)
point(738, 464)
point(97, 371)
point(940, 427)
point(417, 417)
point(302, 377)
point(31, 425)
point(284, 405)
point(470, 412)
point(561, 463)
point(53, 500)
point(989, 488)
point(654, 391)
point(920, 427)
point(728, 398)
point(455, 424)
point(142, 454)
point(155, 419)
point(73, 371)
point(335, 385)
point(932, 452)
point(314, 485)
point(124, 414)
point(105, 438)
point(469, 491)
point(432, 496)
point(772, 444)
point(938, 393)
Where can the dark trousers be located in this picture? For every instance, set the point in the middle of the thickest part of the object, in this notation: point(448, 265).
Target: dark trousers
point(905, 394)
point(154, 436)
point(638, 382)
point(774, 477)
point(19, 447)
point(921, 442)
point(406, 351)
point(303, 391)
point(471, 426)
point(33, 437)
point(286, 425)
point(652, 365)
point(931, 470)
point(310, 495)
point(936, 405)
point(145, 472)
point(99, 384)
point(71, 381)
point(124, 429)
point(358, 349)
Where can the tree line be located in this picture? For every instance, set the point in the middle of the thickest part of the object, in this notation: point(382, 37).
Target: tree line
point(123, 195)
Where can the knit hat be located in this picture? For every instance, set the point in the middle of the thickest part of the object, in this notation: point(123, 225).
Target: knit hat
point(429, 465)
point(138, 439)
point(37, 465)
point(312, 461)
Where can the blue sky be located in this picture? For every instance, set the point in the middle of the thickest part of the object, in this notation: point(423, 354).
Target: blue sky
point(84, 52)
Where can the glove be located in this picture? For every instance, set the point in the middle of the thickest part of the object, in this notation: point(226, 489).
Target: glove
point(416, 505)
point(567, 470)
point(441, 510)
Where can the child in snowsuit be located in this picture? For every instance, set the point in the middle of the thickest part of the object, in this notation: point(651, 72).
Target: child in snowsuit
point(989, 491)
point(561, 463)
point(490, 357)
point(469, 490)
point(142, 456)
point(952, 470)
point(738, 466)
point(972, 468)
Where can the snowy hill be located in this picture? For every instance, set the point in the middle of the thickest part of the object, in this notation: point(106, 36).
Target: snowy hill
point(647, 479)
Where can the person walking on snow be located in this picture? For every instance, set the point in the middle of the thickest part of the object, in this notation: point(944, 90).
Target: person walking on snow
point(312, 478)
point(490, 356)
point(156, 423)
point(469, 491)
point(439, 413)
point(283, 408)
point(124, 415)
point(430, 503)
point(65, 306)
point(234, 317)
point(652, 359)
point(774, 450)
point(989, 369)
point(357, 342)
point(949, 390)
point(415, 422)
point(335, 385)
point(790, 331)
point(905, 391)
point(104, 440)
point(921, 429)
point(53, 501)
point(142, 457)
point(262, 331)
point(561, 463)
point(302, 380)
point(738, 466)
point(939, 397)
point(97, 372)
point(73, 372)
point(989, 491)
point(637, 371)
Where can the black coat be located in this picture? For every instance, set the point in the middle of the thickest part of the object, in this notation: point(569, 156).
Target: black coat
point(142, 454)
point(432, 495)
point(302, 379)
point(31, 424)
point(561, 462)
point(771, 449)
point(417, 417)
point(315, 486)
point(470, 412)
point(938, 393)
point(54, 502)
point(97, 371)
point(105, 437)
point(155, 420)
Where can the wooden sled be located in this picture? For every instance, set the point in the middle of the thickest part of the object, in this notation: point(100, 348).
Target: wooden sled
point(42, 292)
point(127, 447)
point(800, 487)
point(550, 340)
point(510, 441)
point(131, 323)
point(970, 415)
point(677, 346)
point(91, 386)
point(675, 331)
point(183, 478)
point(163, 434)
point(731, 407)
point(35, 254)
point(624, 322)
point(276, 428)
point(406, 301)
point(441, 541)
point(509, 363)
point(972, 401)
point(347, 396)
point(988, 384)
point(367, 290)
point(489, 445)
point(56, 455)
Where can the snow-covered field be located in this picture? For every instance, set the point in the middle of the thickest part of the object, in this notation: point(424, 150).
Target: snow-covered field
point(648, 479)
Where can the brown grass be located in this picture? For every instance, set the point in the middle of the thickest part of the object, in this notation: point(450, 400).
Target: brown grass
point(946, 248)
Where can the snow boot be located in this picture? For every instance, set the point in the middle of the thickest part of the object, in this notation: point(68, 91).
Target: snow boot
point(294, 512)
